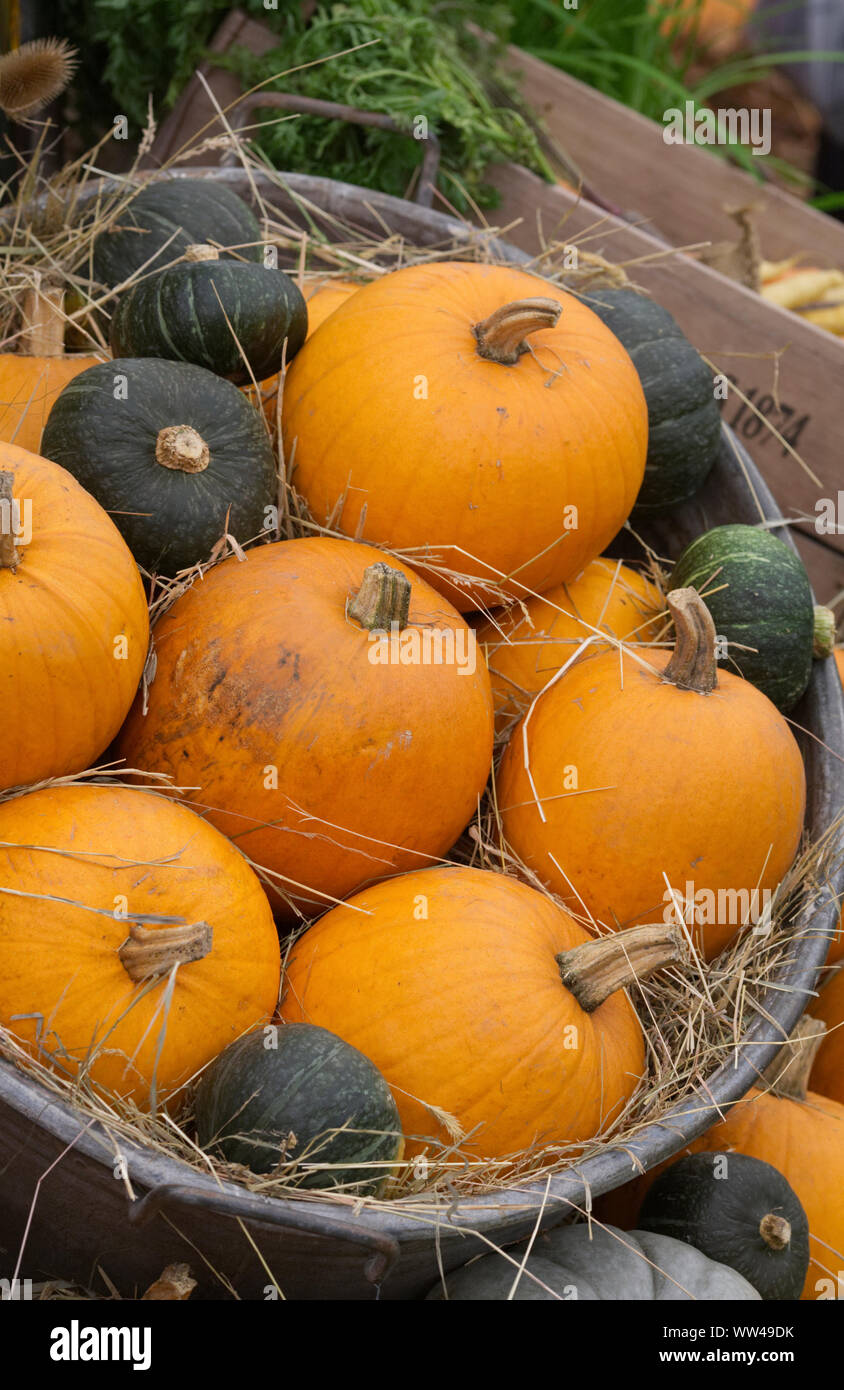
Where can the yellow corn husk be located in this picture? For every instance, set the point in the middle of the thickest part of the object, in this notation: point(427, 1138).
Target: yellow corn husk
point(830, 317)
point(804, 287)
point(772, 270)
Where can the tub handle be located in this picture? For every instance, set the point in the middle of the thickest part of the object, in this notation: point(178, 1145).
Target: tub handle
point(384, 1249)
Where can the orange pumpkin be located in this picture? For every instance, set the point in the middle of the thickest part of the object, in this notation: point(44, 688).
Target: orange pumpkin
point(332, 755)
point(637, 776)
point(827, 1074)
point(32, 377)
point(836, 947)
point(526, 644)
point(474, 417)
point(86, 961)
point(74, 629)
point(476, 994)
point(798, 1131)
point(323, 294)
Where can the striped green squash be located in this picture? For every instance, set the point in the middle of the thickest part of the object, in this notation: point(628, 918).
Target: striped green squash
point(758, 593)
point(295, 1098)
point(232, 317)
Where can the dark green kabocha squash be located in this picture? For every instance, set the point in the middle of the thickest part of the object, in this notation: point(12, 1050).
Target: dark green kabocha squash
point(173, 453)
point(213, 313)
point(684, 422)
point(166, 217)
point(758, 592)
point(298, 1096)
point(593, 1264)
point(739, 1211)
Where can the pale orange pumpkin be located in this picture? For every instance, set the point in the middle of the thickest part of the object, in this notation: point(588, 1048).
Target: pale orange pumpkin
point(86, 963)
point(640, 774)
point(475, 994)
point(474, 417)
point(331, 756)
point(33, 376)
point(74, 626)
point(802, 1134)
point(827, 1075)
point(527, 644)
point(323, 294)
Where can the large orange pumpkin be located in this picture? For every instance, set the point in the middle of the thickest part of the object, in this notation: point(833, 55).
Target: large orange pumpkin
point(474, 417)
point(798, 1131)
point(637, 776)
point(33, 376)
point(331, 755)
point(526, 644)
point(451, 981)
point(88, 876)
point(74, 627)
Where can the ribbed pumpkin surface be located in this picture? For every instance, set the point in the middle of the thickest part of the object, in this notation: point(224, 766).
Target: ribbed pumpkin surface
point(74, 628)
point(113, 853)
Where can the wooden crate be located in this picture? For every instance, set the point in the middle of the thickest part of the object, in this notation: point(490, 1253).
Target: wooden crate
point(786, 366)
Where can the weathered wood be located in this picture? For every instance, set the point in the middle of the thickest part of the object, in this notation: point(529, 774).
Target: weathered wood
point(683, 190)
point(773, 355)
point(195, 117)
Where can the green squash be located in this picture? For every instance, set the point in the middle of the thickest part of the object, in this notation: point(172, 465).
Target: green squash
point(213, 313)
point(739, 1211)
point(601, 1263)
point(173, 453)
point(166, 217)
point(310, 1085)
point(758, 593)
point(684, 421)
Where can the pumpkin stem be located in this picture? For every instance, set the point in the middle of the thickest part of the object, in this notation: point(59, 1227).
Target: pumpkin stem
point(382, 599)
point(10, 556)
point(595, 970)
point(788, 1074)
point(501, 337)
point(149, 951)
point(182, 447)
point(43, 322)
point(198, 251)
point(692, 665)
point(775, 1231)
point(824, 640)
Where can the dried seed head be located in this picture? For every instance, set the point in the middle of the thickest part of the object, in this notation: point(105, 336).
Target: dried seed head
point(32, 75)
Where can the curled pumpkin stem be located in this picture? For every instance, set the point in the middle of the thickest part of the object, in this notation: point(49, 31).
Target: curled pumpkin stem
point(42, 313)
point(10, 556)
point(151, 951)
point(595, 970)
point(503, 336)
point(382, 599)
point(692, 665)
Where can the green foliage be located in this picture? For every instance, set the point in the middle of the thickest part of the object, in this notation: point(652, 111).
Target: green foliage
point(402, 58)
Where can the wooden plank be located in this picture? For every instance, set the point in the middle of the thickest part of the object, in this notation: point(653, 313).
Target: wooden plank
point(195, 116)
point(769, 352)
point(682, 189)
